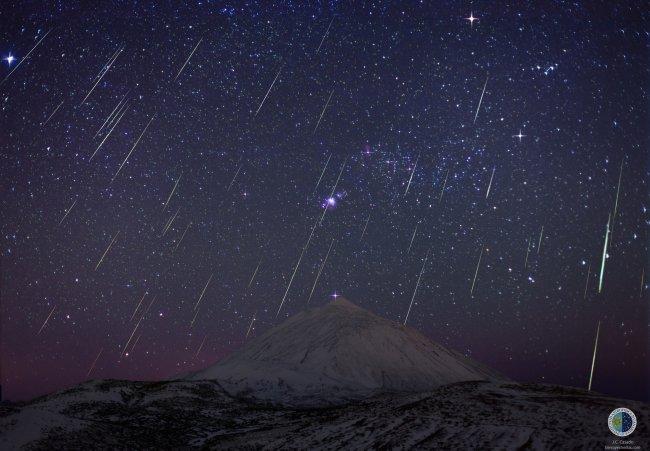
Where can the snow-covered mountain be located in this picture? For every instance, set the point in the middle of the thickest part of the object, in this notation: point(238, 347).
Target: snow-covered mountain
point(339, 352)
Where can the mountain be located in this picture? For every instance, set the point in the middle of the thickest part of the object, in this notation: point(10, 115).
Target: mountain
point(336, 353)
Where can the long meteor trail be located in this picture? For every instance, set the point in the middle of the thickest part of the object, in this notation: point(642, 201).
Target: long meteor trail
point(323, 112)
point(103, 72)
point(416, 287)
point(123, 111)
point(24, 58)
point(471, 292)
point(604, 257)
point(320, 270)
point(270, 87)
point(67, 212)
point(46, 320)
point(593, 358)
point(172, 193)
point(134, 146)
point(481, 99)
point(411, 177)
point(106, 251)
point(490, 184)
point(188, 59)
point(321, 174)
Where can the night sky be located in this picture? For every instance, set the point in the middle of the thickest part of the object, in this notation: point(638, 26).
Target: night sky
point(495, 142)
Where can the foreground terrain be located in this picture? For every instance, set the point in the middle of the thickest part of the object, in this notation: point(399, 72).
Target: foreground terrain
point(177, 414)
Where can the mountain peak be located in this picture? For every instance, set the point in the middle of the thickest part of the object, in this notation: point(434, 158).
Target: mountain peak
point(339, 352)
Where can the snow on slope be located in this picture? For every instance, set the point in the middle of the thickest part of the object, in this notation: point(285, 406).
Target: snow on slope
point(336, 353)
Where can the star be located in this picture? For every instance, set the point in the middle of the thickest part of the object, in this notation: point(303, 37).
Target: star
point(335, 295)
point(471, 19)
point(519, 135)
point(9, 59)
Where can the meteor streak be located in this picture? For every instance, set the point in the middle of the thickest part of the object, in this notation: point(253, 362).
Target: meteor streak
point(123, 111)
point(111, 116)
point(106, 251)
point(200, 347)
point(46, 320)
point(539, 244)
point(131, 337)
point(52, 114)
point(203, 292)
point(413, 237)
point(270, 87)
point(333, 191)
point(416, 287)
point(320, 270)
point(321, 174)
point(24, 58)
point(188, 59)
point(618, 189)
point(411, 177)
point(442, 191)
point(134, 146)
point(324, 36)
point(170, 222)
point(527, 252)
point(94, 362)
point(103, 72)
point(233, 179)
point(471, 292)
point(67, 212)
point(481, 99)
point(323, 112)
point(182, 236)
point(138, 306)
point(172, 193)
point(250, 326)
point(602, 264)
point(490, 184)
point(254, 274)
point(593, 359)
point(364, 228)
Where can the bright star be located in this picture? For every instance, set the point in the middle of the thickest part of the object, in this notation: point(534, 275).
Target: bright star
point(9, 59)
point(335, 295)
point(471, 19)
point(519, 135)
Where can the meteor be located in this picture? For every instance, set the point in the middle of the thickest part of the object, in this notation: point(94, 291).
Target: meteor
point(471, 292)
point(250, 326)
point(365, 227)
point(602, 264)
point(323, 112)
point(24, 58)
point(321, 174)
point(593, 359)
point(106, 251)
point(416, 287)
point(103, 72)
point(295, 269)
point(527, 252)
point(134, 146)
point(123, 111)
point(52, 114)
point(490, 184)
point(67, 212)
point(233, 179)
point(481, 99)
point(618, 189)
point(138, 306)
point(442, 191)
point(188, 59)
point(170, 222)
point(172, 193)
point(110, 116)
point(203, 292)
point(94, 362)
point(333, 190)
point(270, 87)
point(254, 273)
point(46, 320)
point(539, 244)
point(131, 337)
point(324, 36)
point(413, 237)
point(182, 236)
point(642, 277)
point(200, 347)
point(320, 270)
point(412, 172)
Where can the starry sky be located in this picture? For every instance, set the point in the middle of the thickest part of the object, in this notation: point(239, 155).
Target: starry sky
point(179, 175)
